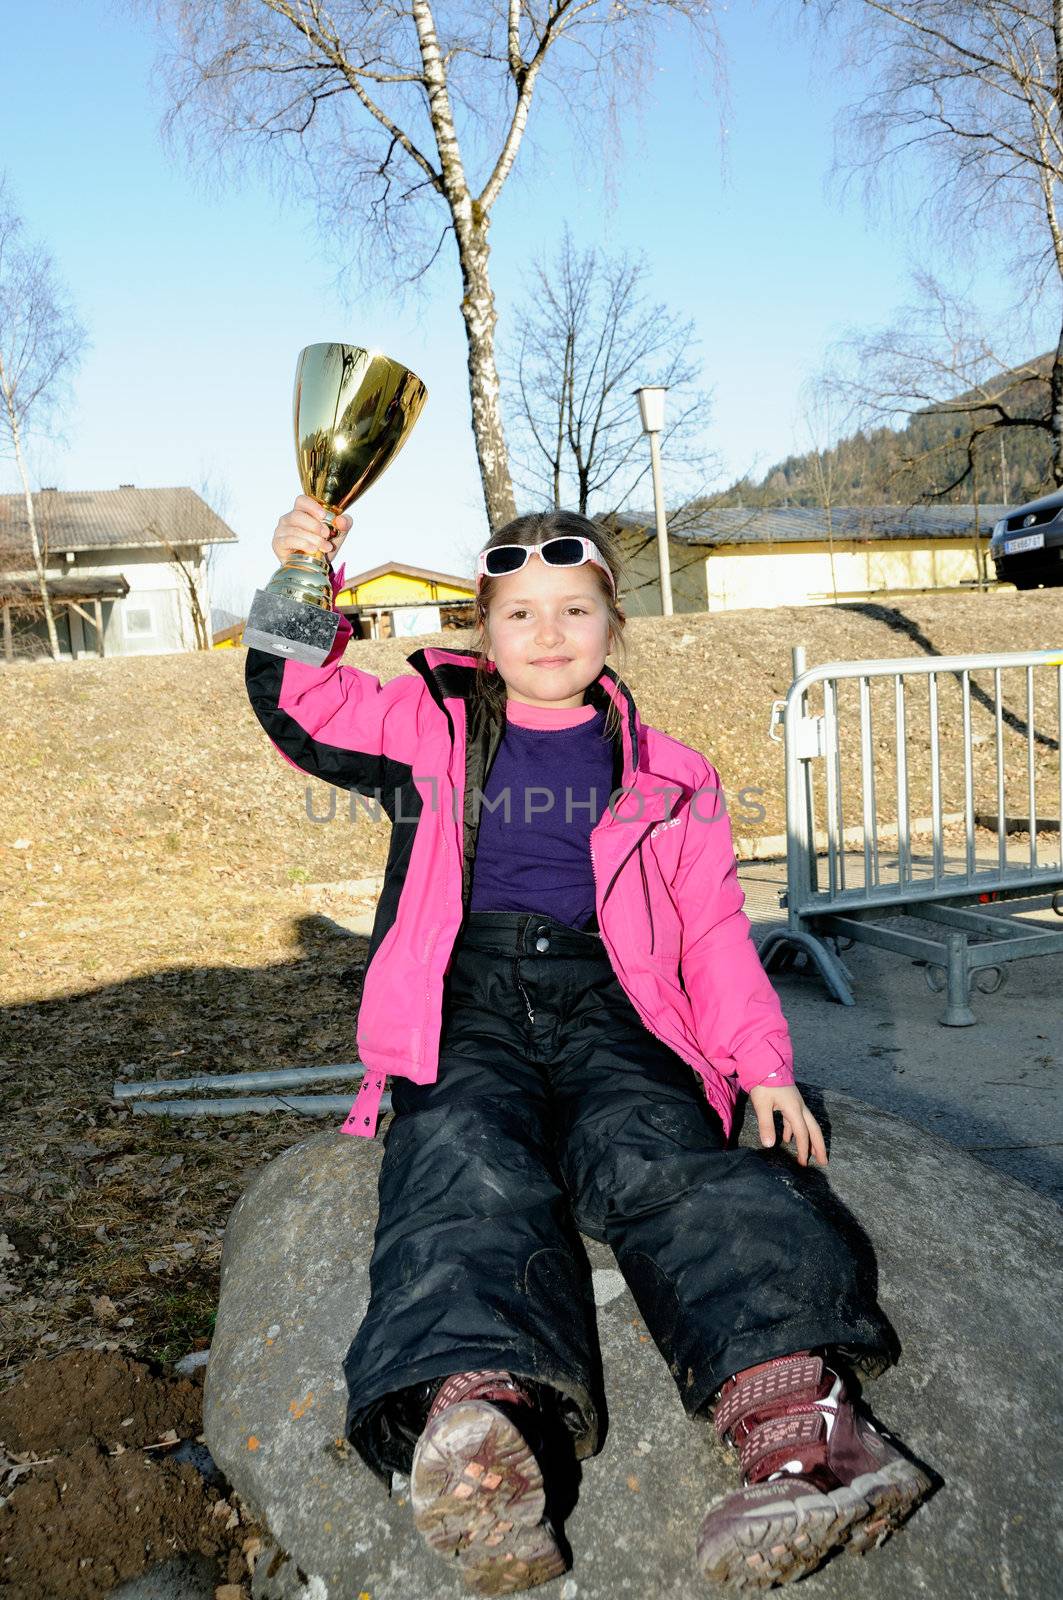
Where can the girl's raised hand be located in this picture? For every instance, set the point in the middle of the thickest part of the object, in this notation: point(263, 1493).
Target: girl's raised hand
point(302, 528)
point(798, 1123)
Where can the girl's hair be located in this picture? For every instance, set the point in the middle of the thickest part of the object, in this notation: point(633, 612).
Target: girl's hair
point(489, 687)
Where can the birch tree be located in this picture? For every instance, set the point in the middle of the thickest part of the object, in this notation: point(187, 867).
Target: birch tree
point(405, 121)
point(972, 92)
point(41, 343)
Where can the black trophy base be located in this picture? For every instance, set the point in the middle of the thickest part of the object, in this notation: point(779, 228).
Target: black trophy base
point(291, 628)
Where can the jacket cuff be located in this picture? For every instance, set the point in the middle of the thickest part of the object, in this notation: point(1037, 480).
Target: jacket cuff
point(337, 578)
point(768, 1067)
point(339, 644)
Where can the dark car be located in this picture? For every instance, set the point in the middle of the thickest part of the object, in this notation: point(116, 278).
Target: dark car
point(1027, 544)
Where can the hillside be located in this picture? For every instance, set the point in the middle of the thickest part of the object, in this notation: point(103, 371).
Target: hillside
point(905, 466)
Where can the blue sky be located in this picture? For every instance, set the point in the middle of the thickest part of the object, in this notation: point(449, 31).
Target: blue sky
point(198, 293)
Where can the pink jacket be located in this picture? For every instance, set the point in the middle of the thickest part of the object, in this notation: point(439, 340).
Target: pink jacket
point(669, 903)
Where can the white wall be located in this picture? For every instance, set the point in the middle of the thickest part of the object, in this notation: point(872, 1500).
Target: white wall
point(155, 618)
point(799, 574)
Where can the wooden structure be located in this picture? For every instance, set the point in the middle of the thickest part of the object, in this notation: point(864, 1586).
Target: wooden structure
point(396, 600)
point(69, 594)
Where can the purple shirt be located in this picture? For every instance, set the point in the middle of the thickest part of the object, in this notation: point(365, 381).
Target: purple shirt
point(549, 783)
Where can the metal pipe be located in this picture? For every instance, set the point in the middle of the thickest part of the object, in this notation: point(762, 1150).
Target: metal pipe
point(968, 775)
point(935, 780)
point(306, 1105)
point(800, 854)
point(835, 850)
point(875, 870)
point(904, 842)
point(998, 715)
point(1031, 770)
point(867, 785)
point(1059, 753)
point(928, 666)
point(838, 786)
point(282, 1078)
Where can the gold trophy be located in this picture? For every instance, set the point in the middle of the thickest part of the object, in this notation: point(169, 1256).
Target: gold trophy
point(354, 410)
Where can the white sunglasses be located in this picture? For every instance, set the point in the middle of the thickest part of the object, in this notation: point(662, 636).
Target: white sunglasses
point(566, 550)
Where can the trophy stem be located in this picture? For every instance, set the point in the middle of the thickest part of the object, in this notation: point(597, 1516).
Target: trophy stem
point(305, 577)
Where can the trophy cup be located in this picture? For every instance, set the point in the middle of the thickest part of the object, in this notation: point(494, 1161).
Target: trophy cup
point(354, 410)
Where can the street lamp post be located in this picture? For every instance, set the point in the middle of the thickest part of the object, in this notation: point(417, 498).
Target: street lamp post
point(651, 410)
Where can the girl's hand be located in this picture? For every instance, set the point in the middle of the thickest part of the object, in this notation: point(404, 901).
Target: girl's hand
point(302, 529)
point(798, 1123)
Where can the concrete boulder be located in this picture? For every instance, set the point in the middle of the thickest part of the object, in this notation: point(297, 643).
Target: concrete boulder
point(967, 1270)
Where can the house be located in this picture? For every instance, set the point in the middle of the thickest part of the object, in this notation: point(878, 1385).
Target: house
point(227, 629)
point(126, 570)
point(394, 601)
point(734, 557)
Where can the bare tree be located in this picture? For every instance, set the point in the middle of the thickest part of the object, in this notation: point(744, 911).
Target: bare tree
point(406, 119)
point(586, 337)
point(40, 346)
point(195, 579)
point(216, 495)
point(973, 89)
point(937, 369)
point(190, 576)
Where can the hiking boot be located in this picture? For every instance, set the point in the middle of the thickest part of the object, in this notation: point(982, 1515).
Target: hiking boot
point(477, 1487)
point(815, 1475)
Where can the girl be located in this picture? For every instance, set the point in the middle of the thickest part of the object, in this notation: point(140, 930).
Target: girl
point(562, 983)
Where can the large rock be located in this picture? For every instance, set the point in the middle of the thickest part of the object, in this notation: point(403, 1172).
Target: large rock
point(968, 1273)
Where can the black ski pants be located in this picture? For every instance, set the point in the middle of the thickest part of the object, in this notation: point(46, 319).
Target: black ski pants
point(556, 1111)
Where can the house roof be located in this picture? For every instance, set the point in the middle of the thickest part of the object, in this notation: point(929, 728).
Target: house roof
point(105, 519)
point(426, 574)
point(75, 588)
point(790, 524)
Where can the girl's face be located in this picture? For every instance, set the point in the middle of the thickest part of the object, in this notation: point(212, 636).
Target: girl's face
point(548, 632)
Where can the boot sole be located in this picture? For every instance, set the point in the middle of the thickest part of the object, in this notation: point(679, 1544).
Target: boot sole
point(769, 1545)
point(477, 1493)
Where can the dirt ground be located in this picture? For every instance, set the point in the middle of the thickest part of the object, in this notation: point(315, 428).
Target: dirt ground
point(155, 859)
point(95, 1488)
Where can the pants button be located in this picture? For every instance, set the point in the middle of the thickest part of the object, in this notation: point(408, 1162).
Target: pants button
point(542, 943)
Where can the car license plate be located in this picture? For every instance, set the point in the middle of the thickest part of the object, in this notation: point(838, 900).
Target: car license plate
point(1029, 541)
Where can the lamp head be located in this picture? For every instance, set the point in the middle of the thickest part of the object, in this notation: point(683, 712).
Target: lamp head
point(651, 406)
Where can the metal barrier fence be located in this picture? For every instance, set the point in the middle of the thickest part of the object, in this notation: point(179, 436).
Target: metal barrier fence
point(820, 751)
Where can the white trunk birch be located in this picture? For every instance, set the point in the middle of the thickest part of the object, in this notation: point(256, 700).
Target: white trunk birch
point(11, 416)
point(419, 111)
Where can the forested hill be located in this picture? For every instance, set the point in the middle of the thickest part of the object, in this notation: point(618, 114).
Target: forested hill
point(900, 466)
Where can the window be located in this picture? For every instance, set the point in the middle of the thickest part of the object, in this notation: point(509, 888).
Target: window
point(139, 621)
